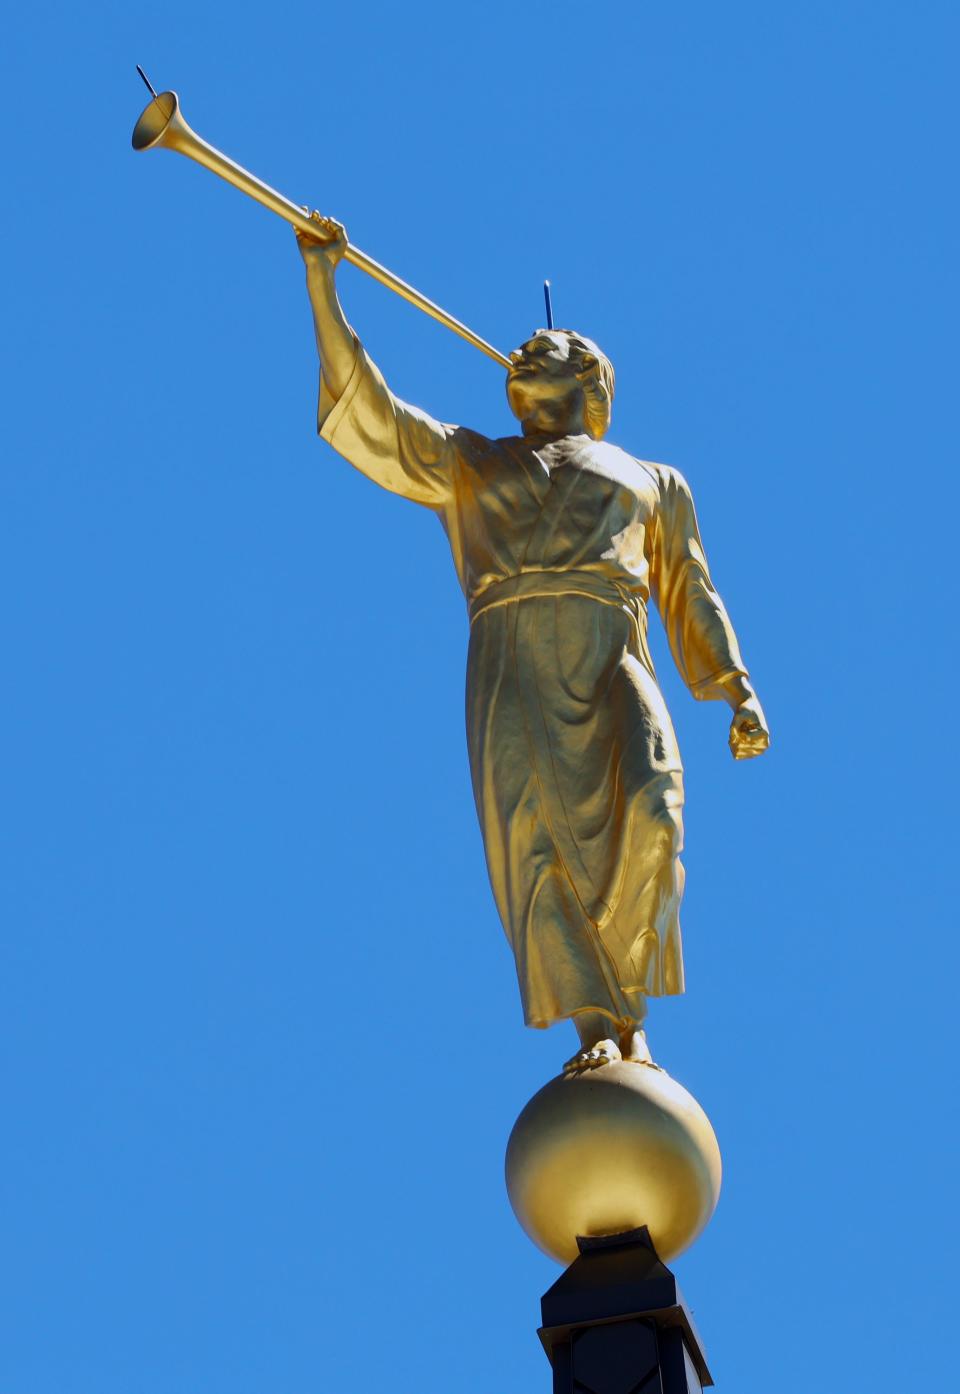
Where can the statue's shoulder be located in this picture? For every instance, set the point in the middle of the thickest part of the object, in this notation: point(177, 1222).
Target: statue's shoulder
point(473, 444)
point(511, 443)
point(650, 467)
point(645, 475)
point(669, 479)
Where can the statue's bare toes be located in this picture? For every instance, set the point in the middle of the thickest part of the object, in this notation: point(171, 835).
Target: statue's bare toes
point(603, 1053)
point(606, 1052)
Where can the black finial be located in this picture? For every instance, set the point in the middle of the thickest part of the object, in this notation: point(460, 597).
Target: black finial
point(549, 304)
point(149, 84)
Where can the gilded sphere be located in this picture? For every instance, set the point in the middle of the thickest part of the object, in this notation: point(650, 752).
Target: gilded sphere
point(607, 1150)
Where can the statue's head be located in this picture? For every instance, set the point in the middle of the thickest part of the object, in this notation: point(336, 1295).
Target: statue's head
point(560, 381)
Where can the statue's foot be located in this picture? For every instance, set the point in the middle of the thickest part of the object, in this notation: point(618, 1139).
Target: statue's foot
point(592, 1057)
point(634, 1047)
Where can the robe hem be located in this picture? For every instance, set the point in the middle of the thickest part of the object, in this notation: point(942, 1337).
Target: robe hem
point(544, 1024)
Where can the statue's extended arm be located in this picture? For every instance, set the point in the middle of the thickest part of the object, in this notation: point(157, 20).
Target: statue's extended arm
point(701, 636)
point(398, 446)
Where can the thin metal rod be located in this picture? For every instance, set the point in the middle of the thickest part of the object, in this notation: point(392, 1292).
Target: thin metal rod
point(150, 87)
point(549, 304)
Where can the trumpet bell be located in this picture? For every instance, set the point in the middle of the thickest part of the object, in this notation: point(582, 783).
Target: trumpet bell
point(160, 123)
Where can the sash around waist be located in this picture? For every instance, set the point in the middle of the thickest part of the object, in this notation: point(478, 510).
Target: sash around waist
point(530, 585)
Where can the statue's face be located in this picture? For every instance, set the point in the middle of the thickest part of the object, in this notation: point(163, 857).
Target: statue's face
point(542, 374)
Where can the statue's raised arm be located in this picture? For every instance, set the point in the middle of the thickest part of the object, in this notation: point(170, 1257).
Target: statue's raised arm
point(398, 446)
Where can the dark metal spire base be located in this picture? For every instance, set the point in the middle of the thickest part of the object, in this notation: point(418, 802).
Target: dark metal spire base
point(615, 1323)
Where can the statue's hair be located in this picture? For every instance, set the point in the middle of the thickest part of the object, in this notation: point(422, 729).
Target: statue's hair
point(598, 383)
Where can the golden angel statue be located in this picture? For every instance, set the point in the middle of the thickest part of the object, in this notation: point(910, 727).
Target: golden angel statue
point(560, 539)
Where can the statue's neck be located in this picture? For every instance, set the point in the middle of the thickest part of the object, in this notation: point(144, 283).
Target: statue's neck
point(539, 438)
point(554, 424)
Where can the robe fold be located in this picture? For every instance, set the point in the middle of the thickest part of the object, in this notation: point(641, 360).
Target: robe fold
point(559, 545)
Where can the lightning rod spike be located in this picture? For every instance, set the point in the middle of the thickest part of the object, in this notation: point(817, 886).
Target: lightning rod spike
point(150, 86)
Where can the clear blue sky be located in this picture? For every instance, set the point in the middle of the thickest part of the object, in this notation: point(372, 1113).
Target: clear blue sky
point(247, 1145)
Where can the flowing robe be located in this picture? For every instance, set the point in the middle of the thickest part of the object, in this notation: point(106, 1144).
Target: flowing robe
point(559, 544)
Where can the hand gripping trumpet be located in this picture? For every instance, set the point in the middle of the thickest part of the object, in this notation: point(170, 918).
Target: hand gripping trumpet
point(161, 127)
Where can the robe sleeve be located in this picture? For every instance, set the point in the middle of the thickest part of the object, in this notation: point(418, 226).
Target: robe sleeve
point(396, 445)
point(702, 640)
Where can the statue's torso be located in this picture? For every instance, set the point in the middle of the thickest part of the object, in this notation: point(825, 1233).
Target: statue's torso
point(571, 504)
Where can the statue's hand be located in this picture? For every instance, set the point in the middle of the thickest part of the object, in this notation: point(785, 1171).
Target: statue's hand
point(324, 251)
point(749, 733)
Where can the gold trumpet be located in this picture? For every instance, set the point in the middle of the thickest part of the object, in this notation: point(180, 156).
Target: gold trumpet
point(161, 126)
